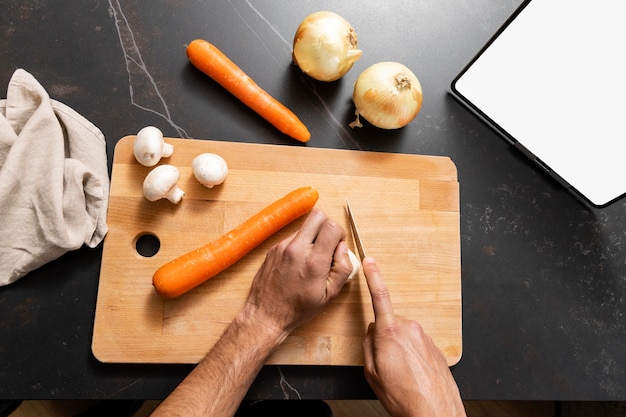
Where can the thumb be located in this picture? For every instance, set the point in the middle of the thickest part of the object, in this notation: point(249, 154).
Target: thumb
point(381, 300)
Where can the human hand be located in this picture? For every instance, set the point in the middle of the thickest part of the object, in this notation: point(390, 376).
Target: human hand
point(300, 275)
point(406, 370)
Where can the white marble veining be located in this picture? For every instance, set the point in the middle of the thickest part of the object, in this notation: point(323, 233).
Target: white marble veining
point(287, 388)
point(149, 99)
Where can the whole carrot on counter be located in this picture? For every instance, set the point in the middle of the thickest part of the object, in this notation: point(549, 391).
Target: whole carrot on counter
point(193, 268)
point(211, 61)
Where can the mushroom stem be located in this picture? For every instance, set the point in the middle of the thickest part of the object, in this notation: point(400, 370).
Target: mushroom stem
point(175, 195)
point(168, 150)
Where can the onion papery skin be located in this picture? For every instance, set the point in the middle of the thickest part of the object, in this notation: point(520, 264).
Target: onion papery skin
point(325, 46)
point(388, 95)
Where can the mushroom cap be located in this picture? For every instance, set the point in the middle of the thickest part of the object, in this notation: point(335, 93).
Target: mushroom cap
point(148, 146)
point(209, 169)
point(160, 182)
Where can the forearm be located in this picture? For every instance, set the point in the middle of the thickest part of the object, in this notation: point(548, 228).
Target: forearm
point(220, 381)
point(299, 276)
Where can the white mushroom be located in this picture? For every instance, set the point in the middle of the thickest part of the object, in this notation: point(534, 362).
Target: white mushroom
point(209, 169)
point(161, 182)
point(356, 265)
point(149, 146)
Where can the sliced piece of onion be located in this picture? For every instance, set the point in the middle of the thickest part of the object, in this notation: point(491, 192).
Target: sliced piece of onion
point(388, 95)
point(325, 46)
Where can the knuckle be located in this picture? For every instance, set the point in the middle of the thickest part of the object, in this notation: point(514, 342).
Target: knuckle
point(334, 227)
point(318, 213)
point(312, 264)
point(278, 251)
point(391, 329)
point(382, 292)
point(291, 250)
point(416, 327)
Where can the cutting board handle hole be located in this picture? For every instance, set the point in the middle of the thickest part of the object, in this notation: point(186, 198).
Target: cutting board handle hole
point(147, 245)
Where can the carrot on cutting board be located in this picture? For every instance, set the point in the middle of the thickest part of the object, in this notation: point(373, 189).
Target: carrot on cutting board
point(211, 61)
point(195, 267)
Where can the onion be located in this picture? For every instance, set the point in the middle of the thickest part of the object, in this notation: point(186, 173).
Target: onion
point(325, 46)
point(388, 95)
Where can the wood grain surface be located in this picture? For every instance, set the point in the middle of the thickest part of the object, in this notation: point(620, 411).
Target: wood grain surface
point(406, 206)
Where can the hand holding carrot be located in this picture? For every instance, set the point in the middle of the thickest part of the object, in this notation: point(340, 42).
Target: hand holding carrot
point(408, 373)
point(300, 275)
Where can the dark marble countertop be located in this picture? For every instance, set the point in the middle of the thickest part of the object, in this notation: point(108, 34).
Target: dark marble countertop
point(543, 276)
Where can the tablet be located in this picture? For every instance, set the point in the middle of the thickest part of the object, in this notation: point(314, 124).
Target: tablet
point(552, 82)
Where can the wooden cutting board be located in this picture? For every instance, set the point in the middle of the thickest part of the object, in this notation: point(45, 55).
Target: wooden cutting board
point(406, 207)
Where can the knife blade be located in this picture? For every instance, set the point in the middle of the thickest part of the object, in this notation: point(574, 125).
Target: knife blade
point(355, 232)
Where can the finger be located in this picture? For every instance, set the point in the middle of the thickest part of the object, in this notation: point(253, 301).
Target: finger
point(381, 300)
point(329, 235)
point(325, 246)
point(340, 269)
point(312, 226)
point(306, 235)
point(279, 248)
point(286, 241)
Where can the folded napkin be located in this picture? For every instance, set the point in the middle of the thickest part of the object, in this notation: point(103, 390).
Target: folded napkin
point(54, 182)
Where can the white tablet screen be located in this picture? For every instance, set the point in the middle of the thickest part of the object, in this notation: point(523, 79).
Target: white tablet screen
point(554, 81)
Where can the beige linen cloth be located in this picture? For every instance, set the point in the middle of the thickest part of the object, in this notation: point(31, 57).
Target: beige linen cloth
point(54, 183)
